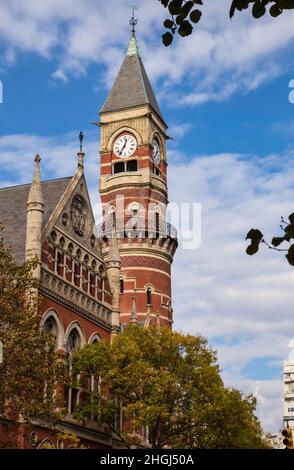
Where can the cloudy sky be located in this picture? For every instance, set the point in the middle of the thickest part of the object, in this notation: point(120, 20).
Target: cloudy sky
point(225, 94)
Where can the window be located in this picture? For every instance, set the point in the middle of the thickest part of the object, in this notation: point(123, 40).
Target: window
point(71, 394)
point(92, 285)
point(96, 338)
point(77, 275)
point(132, 165)
point(290, 410)
point(122, 285)
point(112, 217)
point(157, 222)
point(50, 327)
point(149, 292)
point(59, 264)
point(119, 167)
point(73, 341)
point(122, 167)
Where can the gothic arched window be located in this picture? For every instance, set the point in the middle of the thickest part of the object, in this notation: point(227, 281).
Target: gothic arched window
point(50, 327)
point(74, 340)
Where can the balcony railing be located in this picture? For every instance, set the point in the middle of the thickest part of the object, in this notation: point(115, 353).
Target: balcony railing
point(125, 229)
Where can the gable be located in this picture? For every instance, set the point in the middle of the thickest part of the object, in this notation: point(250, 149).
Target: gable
point(13, 202)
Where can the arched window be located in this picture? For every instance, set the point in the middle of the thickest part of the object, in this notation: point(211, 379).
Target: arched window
point(77, 274)
point(122, 285)
point(59, 264)
point(149, 295)
point(132, 165)
point(112, 217)
point(74, 340)
point(118, 167)
point(95, 338)
point(50, 327)
point(71, 394)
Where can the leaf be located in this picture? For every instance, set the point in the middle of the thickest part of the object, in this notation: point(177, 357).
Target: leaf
point(198, 2)
point(185, 29)
point(164, 2)
point(195, 16)
point(180, 19)
point(289, 230)
point(276, 241)
point(291, 218)
point(258, 9)
point(254, 235)
point(290, 255)
point(175, 7)
point(187, 8)
point(167, 39)
point(168, 24)
point(275, 11)
point(252, 249)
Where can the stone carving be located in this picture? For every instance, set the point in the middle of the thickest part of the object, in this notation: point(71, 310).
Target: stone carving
point(79, 215)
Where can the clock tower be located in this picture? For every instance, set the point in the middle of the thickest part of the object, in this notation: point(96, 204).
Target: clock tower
point(134, 195)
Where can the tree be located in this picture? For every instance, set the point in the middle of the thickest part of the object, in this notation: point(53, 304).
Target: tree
point(184, 14)
point(169, 383)
point(256, 238)
point(30, 369)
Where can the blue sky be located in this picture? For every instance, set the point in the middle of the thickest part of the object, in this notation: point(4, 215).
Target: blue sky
point(224, 93)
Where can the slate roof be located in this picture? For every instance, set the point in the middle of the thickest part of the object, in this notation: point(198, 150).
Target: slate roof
point(13, 202)
point(131, 88)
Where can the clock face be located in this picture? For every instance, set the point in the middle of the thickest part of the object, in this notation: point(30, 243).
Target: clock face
point(156, 152)
point(125, 146)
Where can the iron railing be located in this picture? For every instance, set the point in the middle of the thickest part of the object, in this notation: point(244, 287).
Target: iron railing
point(136, 229)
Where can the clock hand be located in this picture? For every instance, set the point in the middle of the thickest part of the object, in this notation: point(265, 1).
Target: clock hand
point(123, 146)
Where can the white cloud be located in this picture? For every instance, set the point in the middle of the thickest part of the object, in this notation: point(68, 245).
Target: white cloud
point(220, 58)
point(242, 304)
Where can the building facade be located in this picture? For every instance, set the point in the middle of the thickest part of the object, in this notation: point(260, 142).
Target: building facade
point(288, 416)
point(93, 283)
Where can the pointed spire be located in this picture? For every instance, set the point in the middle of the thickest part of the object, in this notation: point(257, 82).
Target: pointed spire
point(133, 48)
point(113, 255)
point(35, 194)
point(35, 211)
point(132, 87)
point(148, 317)
point(134, 317)
point(81, 154)
point(158, 326)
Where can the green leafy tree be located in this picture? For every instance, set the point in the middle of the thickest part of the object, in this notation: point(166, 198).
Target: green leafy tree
point(185, 14)
point(169, 383)
point(256, 238)
point(30, 369)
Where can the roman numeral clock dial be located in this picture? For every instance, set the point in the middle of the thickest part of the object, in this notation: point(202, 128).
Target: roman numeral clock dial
point(125, 146)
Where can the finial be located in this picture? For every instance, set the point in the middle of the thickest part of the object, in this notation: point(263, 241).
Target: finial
point(37, 158)
point(158, 320)
point(134, 318)
point(81, 153)
point(81, 137)
point(133, 20)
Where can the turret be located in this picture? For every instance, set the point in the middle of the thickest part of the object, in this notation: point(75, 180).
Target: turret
point(113, 266)
point(35, 211)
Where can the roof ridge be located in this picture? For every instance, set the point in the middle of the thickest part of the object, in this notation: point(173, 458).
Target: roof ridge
point(42, 182)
